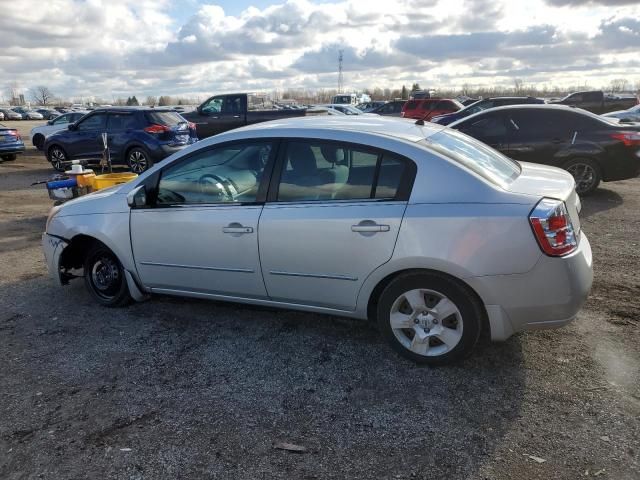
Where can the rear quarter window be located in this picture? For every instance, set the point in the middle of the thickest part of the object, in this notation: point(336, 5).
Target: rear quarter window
point(474, 155)
point(167, 118)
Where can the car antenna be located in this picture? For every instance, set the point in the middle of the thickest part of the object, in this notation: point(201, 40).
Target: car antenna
point(420, 122)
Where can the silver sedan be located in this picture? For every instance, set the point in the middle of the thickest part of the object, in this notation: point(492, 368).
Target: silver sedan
point(428, 232)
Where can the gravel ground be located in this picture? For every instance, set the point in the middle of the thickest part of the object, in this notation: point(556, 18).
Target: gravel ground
point(175, 388)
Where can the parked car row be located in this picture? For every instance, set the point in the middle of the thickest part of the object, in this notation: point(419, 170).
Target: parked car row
point(594, 149)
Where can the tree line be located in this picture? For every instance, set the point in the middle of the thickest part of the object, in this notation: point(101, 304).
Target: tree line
point(42, 95)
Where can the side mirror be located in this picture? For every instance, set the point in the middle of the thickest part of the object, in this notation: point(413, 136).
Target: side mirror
point(50, 122)
point(137, 197)
point(72, 126)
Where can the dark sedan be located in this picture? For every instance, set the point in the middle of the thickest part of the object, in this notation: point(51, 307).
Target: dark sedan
point(136, 137)
point(591, 148)
point(10, 143)
point(481, 105)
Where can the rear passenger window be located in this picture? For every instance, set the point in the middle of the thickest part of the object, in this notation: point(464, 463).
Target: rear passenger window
point(390, 176)
point(321, 171)
point(121, 121)
point(412, 105)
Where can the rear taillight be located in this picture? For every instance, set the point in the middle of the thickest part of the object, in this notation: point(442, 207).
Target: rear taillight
point(630, 139)
point(15, 134)
point(155, 128)
point(552, 227)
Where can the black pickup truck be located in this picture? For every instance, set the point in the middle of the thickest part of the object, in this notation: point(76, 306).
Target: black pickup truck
point(226, 112)
point(597, 101)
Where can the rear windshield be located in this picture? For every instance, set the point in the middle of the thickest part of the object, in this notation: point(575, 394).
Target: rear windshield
point(164, 118)
point(474, 155)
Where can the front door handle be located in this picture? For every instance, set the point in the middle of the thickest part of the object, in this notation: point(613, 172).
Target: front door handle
point(237, 229)
point(370, 228)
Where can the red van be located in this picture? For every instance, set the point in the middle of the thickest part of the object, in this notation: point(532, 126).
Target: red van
point(430, 107)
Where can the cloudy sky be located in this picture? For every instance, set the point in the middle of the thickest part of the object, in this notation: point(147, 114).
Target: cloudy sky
point(111, 48)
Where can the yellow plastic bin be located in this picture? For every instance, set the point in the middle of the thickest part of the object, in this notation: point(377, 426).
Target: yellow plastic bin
point(85, 179)
point(110, 179)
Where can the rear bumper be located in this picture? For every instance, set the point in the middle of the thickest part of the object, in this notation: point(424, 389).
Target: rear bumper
point(548, 296)
point(10, 148)
point(162, 151)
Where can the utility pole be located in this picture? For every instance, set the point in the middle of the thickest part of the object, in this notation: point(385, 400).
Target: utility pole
point(340, 79)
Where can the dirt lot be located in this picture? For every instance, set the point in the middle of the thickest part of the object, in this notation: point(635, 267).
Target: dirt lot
point(177, 388)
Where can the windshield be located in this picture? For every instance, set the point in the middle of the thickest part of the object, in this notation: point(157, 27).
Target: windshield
point(477, 107)
point(474, 155)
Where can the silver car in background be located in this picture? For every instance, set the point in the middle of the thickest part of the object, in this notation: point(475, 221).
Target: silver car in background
point(426, 231)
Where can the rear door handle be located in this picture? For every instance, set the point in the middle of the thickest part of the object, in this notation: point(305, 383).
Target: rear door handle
point(370, 228)
point(236, 229)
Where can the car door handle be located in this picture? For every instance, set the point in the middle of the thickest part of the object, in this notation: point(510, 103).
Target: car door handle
point(237, 229)
point(370, 228)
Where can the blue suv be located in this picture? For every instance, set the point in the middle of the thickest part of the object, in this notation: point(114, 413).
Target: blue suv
point(136, 137)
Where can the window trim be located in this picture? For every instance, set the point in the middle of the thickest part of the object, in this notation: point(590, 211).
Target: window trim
point(404, 187)
point(152, 183)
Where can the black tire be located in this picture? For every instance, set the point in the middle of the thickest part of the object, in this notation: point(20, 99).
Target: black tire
point(57, 156)
point(586, 172)
point(38, 141)
point(9, 158)
point(463, 325)
point(139, 160)
point(104, 277)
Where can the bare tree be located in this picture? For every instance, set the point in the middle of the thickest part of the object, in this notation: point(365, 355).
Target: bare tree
point(151, 101)
point(41, 95)
point(518, 85)
point(618, 85)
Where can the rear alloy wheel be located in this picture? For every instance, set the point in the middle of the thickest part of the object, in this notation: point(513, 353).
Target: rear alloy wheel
point(138, 160)
point(586, 173)
point(104, 277)
point(57, 157)
point(429, 318)
point(38, 141)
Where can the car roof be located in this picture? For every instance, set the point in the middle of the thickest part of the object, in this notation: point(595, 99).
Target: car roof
point(400, 128)
point(133, 109)
point(527, 106)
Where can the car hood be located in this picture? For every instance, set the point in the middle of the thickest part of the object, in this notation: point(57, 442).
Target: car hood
point(107, 200)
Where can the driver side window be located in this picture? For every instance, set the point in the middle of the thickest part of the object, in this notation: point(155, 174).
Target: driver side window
point(228, 174)
point(213, 106)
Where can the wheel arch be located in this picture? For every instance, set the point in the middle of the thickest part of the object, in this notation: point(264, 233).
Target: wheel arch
point(73, 257)
point(130, 146)
point(374, 295)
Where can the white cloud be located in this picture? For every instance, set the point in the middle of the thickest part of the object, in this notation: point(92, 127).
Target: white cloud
point(125, 47)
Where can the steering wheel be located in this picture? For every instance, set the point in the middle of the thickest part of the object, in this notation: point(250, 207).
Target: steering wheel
point(206, 181)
